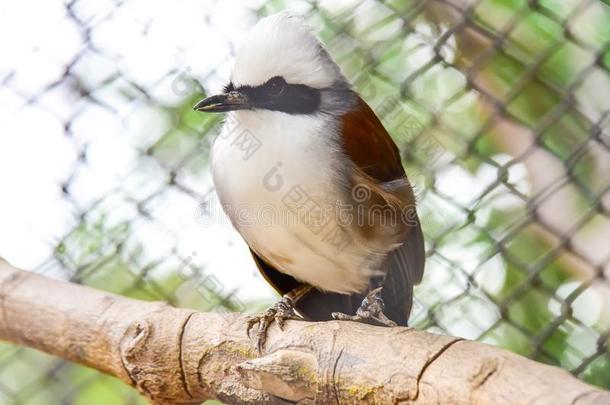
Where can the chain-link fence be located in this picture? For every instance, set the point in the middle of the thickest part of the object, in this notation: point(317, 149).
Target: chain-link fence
point(501, 109)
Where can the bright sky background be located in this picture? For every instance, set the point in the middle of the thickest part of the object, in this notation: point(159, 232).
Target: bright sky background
point(146, 40)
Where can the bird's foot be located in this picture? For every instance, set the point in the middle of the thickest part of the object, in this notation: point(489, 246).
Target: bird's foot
point(280, 311)
point(370, 311)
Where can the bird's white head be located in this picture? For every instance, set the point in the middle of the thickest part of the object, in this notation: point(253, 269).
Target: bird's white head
point(282, 66)
point(283, 45)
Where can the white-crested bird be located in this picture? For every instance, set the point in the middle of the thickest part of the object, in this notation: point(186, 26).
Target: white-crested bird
point(314, 184)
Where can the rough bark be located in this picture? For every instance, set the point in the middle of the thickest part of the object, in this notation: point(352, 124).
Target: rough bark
point(178, 356)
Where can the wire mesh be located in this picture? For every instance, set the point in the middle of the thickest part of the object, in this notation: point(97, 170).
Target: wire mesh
point(500, 108)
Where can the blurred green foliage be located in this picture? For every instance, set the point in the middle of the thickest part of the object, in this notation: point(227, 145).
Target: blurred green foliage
point(482, 260)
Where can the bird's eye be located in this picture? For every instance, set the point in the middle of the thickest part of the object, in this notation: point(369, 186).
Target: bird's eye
point(276, 86)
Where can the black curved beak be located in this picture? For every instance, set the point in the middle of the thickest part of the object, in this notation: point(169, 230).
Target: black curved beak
point(231, 101)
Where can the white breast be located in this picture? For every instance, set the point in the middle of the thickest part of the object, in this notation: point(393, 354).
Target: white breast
point(275, 175)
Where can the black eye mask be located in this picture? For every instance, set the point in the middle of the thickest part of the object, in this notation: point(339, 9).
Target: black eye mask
point(278, 95)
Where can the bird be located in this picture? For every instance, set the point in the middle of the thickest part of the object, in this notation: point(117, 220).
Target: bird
point(314, 184)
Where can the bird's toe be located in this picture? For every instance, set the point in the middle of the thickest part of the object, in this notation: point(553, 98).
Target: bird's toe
point(370, 311)
point(279, 312)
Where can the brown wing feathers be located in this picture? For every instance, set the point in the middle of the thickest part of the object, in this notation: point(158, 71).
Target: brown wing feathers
point(372, 150)
point(369, 146)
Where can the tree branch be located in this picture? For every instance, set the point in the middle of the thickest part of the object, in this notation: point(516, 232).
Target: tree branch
point(177, 356)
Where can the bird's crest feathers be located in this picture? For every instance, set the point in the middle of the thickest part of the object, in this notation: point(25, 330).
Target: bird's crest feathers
point(283, 45)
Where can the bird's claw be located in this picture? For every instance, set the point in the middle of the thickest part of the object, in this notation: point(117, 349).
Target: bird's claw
point(370, 311)
point(279, 312)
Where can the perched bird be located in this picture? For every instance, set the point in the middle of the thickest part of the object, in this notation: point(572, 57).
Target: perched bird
point(314, 184)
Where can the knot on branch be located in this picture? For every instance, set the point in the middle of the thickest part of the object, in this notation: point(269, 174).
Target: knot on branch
point(131, 347)
point(489, 367)
point(287, 374)
point(150, 350)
